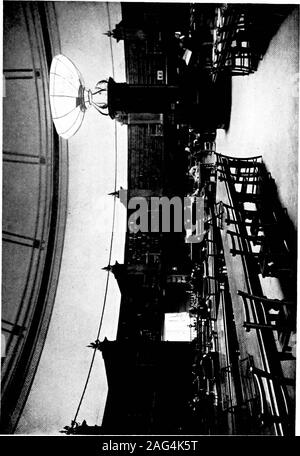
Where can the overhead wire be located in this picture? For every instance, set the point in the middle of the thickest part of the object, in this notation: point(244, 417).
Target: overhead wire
point(111, 239)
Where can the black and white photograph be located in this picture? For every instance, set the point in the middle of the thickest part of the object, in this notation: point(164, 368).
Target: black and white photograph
point(149, 220)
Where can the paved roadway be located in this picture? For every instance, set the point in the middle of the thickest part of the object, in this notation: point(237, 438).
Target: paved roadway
point(264, 122)
point(264, 114)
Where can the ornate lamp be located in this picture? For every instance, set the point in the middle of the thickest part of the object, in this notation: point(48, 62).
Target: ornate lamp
point(69, 98)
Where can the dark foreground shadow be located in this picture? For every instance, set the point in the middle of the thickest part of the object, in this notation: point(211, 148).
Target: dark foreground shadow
point(266, 21)
point(282, 239)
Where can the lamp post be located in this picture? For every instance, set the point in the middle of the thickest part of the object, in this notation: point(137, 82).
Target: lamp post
point(69, 98)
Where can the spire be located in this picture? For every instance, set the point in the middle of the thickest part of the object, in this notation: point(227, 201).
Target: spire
point(97, 345)
point(120, 273)
point(116, 193)
point(83, 429)
point(121, 194)
point(112, 267)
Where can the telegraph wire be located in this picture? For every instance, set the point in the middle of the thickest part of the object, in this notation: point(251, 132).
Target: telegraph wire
point(111, 239)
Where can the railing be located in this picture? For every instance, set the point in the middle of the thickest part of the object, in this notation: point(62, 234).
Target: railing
point(232, 50)
point(270, 395)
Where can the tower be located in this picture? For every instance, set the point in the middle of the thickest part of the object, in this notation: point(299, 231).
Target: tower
point(126, 32)
point(124, 98)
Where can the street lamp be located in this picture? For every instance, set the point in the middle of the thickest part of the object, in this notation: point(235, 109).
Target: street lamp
point(69, 98)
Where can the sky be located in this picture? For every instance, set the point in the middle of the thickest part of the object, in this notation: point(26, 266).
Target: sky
point(65, 360)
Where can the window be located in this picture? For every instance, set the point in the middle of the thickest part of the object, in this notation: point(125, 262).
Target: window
point(155, 129)
point(145, 118)
point(154, 43)
point(152, 258)
point(177, 278)
point(160, 75)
